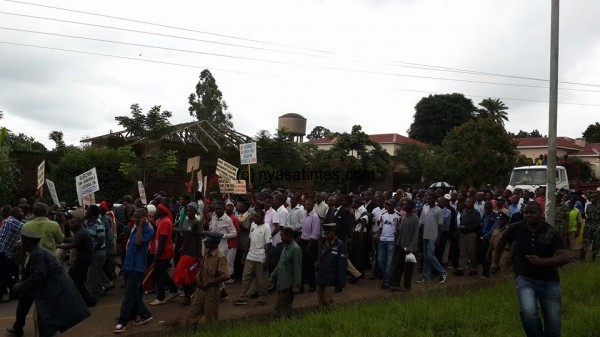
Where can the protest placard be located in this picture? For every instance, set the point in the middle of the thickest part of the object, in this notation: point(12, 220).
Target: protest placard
point(87, 183)
point(41, 172)
point(89, 199)
point(53, 193)
point(248, 154)
point(193, 164)
point(226, 170)
point(142, 192)
point(239, 187)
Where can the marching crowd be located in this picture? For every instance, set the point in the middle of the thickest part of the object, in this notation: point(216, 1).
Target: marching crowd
point(291, 242)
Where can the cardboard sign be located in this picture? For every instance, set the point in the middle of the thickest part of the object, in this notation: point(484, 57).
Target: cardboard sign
point(239, 187)
point(142, 192)
point(199, 176)
point(87, 183)
point(193, 164)
point(248, 154)
point(226, 170)
point(89, 199)
point(41, 172)
point(53, 193)
point(227, 185)
point(205, 184)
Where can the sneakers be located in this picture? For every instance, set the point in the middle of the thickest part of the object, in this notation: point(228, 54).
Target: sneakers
point(158, 302)
point(120, 328)
point(141, 320)
point(443, 279)
point(240, 302)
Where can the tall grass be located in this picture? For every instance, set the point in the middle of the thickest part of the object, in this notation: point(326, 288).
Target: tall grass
point(487, 312)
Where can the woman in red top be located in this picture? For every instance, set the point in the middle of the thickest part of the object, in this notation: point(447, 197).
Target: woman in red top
point(163, 248)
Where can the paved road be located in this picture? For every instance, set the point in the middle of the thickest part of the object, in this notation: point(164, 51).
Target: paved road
point(103, 320)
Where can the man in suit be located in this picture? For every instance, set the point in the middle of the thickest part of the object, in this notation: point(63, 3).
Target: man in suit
point(344, 224)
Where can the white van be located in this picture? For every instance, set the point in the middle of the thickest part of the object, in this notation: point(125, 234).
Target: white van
point(532, 177)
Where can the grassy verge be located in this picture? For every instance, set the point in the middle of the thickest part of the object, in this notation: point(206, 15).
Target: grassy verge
point(487, 312)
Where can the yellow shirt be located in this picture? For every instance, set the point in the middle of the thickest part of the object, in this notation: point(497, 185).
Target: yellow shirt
point(49, 230)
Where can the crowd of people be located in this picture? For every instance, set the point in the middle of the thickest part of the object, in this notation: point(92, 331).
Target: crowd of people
point(289, 242)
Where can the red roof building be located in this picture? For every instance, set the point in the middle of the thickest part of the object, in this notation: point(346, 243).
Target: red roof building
point(389, 141)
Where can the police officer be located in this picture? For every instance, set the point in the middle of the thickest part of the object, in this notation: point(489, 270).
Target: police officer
point(211, 275)
point(332, 264)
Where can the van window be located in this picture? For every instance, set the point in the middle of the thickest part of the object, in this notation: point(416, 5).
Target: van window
point(529, 177)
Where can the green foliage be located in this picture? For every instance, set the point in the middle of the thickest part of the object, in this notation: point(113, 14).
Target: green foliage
point(9, 177)
point(57, 138)
point(318, 132)
point(413, 156)
point(578, 169)
point(159, 165)
point(207, 102)
point(355, 160)
point(22, 142)
point(480, 151)
point(524, 134)
point(152, 125)
point(493, 108)
point(436, 115)
point(592, 133)
point(113, 183)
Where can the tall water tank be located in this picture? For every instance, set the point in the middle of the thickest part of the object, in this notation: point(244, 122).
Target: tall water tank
point(294, 124)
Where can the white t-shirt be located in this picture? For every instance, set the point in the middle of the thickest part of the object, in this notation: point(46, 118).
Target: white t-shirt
point(271, 218)
point(361, 213)
point(388, 226)
point(377, 212)
point(260, 236)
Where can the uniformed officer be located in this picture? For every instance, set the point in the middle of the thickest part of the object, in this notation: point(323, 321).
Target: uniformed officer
point(210, 276)
point(332, 264)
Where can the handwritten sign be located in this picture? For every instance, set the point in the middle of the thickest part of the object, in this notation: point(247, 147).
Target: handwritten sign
point(142, 192)
point(226, 170)
point(248, 154)
point(41, 172)
point(87, 183)
point(239, 187)
point(89, 199)
point(53, 193)
point(193, 164)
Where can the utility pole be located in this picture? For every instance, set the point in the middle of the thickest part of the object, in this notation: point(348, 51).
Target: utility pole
point(552, 115)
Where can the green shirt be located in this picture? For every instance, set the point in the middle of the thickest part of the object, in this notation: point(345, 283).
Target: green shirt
point(289, 269)
point(49, 230)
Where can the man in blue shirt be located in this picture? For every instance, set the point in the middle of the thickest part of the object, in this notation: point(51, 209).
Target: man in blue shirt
point(489, 222)
point(134, 267)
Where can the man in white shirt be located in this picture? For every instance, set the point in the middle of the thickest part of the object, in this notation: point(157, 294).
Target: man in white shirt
point(377, 212)
point(320, 206)
point(360, 235)
point(280, 221)
point(256, 261)
point(387, 237)
point(222, 223)
point(479, 203)
point(296, 213)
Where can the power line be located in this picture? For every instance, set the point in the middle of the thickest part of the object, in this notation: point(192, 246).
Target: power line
point(504, 98)
point(125, 57)
point(392, 63)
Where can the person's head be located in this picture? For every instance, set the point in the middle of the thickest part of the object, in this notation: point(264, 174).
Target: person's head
point(453, 196)
point(368, 196)
point(430, 199)
point(92, 212)
point(212, 240)
point(439, 192)
point(390, 206)
point(161, 210)
point(470, 203)
point(357, 202)
point(151, 210)
point(268, 202)
point(39, 210)
point(5, 211)
point(533, 213)
point(331, 201)
point(287, 235)
point(75, 224)
point(460, 206)
point(127, 200)
point(198, 196)
point(279, 200)
point(408, 205)
point(570, 204)
point(514, 199)
point(29, 241)
point(328, 231)
point(318, 197)
point(259, 217)
point(191, 210)
point(242, 206)
point(488, 207)
point(442, 202)
point(219, 208)
point(526, 195)
point(338, 200)
point(16, 212)
point(594, 198)
point(229, 208)
point(184, 200)
point(294, 200)
point(479, 196)
point(309, 204)
point(500, 202)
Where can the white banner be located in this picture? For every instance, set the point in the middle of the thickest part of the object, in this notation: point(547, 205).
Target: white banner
point(248, 154)
point(53, 193)
point(87, 183)
point(226, 170)
point(142, 192)
point(41, 172)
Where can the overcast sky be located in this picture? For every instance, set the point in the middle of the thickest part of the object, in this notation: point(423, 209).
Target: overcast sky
point(338, 63)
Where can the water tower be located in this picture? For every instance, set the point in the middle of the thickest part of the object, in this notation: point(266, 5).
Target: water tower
point(295, 124)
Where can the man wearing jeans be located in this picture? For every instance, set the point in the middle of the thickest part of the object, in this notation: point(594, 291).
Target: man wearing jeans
point(133, 267)
point(432, 222)
point(387, 237)
point(538, 251)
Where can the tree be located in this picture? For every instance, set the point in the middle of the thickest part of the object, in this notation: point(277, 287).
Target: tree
point(9, 177)
point(524, 134)
point(153, 125)
point(207, 102)
point(436, 115)
point(22, 142)
point(149, 168)
point(318, 132)
point(412, 156)
point(493, 108)
point(592, 133)
point(480, 151)
point(57, 138)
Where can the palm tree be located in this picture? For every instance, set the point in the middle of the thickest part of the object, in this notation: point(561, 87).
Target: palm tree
point(493, 108)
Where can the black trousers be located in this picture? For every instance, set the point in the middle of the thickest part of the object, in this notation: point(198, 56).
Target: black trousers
point(403, 268)
point(482, 248)
point(454, 255)
point(78, 273)
point(8, 273)
point(357, 252)
point(441, 247)
point(308, 263)
point(23, 307)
